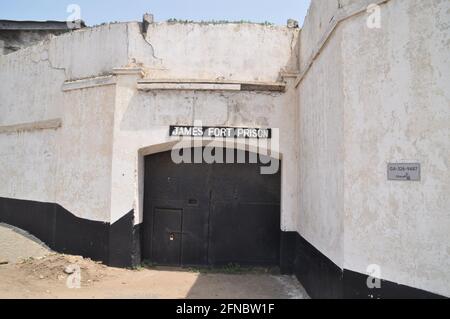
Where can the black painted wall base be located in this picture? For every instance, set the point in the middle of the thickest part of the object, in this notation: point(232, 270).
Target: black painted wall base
point(322, 279)
point(124, 242)
point(118, 245)
point(114, 244)
point(287, 252)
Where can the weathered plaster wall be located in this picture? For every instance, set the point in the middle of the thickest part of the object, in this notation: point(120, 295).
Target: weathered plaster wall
point(29, 92)
point(374, 96)
point(142, 121)
point(30, 87)
point(317, 21)
point(69, 165)
point(321, 124)
point(94, 166)
point(32, 78)
point(242, 52)
point(28, 165)
point(91, 51)
point(239, 52)
point(83, 174)
point(397, 108)
point(321, 120)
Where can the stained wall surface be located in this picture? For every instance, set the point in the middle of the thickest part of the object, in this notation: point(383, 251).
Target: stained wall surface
point(89, 163)
point(377, 94)
point(75, 126)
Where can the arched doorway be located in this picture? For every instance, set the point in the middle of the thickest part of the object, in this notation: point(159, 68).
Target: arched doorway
point(211, 214)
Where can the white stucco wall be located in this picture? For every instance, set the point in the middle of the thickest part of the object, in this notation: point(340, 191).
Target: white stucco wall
point(389, 102)
point(90, 52)
point(317, 21)
point(142, 121)
point(370, 97)
point(28, 159)
point(93, 161)
point(230, 51)
point(27, 79)
point(397, 108)
point(28, 165)
point(321, 121)
point(83, 175)
point(224, 52)
point(71, 164)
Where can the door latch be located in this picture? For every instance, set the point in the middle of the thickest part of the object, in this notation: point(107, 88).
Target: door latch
point(173, 233)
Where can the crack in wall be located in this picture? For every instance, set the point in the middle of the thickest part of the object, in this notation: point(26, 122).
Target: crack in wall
point(144, 29)
point(44, 56)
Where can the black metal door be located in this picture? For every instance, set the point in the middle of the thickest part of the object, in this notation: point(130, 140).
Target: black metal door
point(245, 215)
point(182, 187)
point(227, 213)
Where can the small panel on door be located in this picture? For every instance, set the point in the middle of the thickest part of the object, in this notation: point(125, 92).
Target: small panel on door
point(167, 236)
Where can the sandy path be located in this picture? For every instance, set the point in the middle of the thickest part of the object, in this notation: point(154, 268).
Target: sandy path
point(44, 276)
point(16, 244)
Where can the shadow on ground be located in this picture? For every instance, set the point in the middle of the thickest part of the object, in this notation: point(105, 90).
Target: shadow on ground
point(234, 282)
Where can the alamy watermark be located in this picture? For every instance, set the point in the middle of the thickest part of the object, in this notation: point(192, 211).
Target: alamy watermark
point(374, 16)
point(374, 279)
point(74, 19)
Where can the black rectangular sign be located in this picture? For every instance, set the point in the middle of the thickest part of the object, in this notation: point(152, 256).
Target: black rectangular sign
point(221, 132)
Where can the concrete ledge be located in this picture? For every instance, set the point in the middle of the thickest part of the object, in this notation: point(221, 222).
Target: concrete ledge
point(129, 71)
point(205, 85)
point(52, 124)
point(188, 86)
point(89, 83)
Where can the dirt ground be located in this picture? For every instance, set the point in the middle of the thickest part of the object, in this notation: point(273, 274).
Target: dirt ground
point(33, 271)
point(16, 244)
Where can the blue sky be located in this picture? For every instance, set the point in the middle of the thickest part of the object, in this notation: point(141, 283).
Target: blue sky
point(98, 11)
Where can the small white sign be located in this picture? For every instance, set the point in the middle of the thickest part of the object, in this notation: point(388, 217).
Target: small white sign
point(409, 172)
